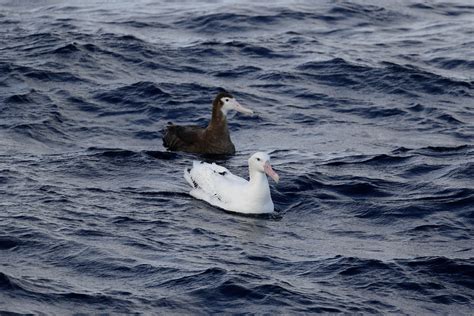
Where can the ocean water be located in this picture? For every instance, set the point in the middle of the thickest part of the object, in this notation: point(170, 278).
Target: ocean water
point(366, 108)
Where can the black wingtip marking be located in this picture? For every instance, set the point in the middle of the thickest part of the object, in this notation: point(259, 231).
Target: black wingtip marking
point(218, 197)
point(222, 173)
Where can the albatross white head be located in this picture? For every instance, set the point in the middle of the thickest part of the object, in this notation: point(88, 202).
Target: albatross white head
point(230, 103)
point(260, 162)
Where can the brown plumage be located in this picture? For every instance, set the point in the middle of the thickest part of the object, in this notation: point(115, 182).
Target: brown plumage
point(214, 139)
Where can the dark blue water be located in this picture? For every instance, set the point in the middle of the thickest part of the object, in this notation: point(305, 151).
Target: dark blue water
point(365, 106)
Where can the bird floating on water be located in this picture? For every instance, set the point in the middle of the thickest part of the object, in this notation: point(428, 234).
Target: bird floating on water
point(219, 187)
point(214, 139)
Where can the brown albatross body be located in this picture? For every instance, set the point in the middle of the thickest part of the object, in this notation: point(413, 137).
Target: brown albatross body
point(214, 139)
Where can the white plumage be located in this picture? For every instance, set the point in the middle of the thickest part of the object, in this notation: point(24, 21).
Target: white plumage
point(218, 186)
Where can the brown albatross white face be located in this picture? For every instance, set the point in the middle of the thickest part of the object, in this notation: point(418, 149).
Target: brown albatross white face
point(230, 103)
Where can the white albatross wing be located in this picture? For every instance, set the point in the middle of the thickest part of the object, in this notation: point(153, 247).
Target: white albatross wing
point(215, 182)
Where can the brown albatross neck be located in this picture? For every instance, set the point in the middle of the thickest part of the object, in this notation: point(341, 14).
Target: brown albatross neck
point(218, 120)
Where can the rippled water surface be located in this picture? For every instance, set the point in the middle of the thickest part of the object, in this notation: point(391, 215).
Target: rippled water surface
point(365, 106)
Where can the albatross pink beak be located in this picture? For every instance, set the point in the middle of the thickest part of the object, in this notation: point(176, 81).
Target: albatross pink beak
point(269, 171)
point(238, 107)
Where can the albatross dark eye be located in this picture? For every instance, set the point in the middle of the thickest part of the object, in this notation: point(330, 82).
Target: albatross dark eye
point(258, 159)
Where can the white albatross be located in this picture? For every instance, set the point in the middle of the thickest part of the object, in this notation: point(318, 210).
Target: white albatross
point(219, 187)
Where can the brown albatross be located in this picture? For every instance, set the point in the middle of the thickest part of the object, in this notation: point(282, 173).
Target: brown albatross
point(214, 139)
